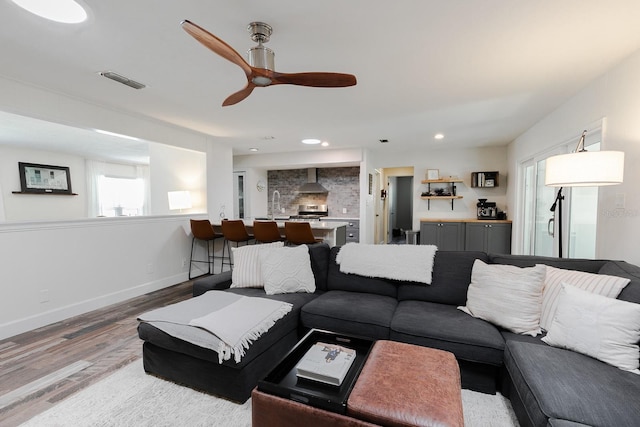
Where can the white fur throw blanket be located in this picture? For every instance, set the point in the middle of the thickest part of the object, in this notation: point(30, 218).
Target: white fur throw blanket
point(413, 263)
point(222, 321)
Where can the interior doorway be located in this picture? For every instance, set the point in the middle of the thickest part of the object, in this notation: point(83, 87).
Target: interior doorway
point(397, 203)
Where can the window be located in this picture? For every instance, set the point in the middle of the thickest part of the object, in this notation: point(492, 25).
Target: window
point(117, 190)
point(120, 196)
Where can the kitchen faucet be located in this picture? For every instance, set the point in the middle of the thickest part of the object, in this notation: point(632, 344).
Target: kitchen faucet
point(273, 203)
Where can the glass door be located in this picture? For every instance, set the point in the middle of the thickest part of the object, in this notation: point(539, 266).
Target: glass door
point(238, 193)
point(579, 210)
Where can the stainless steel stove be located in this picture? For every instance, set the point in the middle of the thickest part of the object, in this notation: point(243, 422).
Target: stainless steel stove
point(311, 212)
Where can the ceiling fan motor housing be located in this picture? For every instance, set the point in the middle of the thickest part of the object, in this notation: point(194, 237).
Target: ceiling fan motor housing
point(261, 57)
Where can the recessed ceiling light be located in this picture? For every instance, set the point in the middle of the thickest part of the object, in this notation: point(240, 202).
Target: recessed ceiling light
point(325, 144)
point(64, 11)
point(311, 141)
point(253, 149)
point(438, 136)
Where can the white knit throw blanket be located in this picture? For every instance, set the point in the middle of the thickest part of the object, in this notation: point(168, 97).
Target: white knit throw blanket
point(221, 321)
point(413, 263)
point(240, 323)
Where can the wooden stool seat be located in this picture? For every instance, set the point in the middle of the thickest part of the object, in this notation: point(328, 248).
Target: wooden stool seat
point(299, 233)
point(266, 232)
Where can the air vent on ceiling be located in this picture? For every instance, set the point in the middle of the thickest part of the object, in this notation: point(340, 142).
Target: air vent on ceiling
point(122, 79)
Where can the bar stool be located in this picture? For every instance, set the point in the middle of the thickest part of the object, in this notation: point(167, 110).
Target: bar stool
point(266, 232)
point(298, 233)
point(233, 230)
point(201, 229)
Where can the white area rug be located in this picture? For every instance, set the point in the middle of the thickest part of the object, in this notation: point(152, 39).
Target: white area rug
point(130, 397)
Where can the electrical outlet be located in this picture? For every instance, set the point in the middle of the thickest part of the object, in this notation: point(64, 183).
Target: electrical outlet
point(44, 296)
point(344, 210)
point(150, 268)
point(184, 262)
point(620, 202)
point(283, 210)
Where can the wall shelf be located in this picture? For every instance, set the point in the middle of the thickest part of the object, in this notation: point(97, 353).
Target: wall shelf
point(485, 179)
point(37, 193)
point(452, 190)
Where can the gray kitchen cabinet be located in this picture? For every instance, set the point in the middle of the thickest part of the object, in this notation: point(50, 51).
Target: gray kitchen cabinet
point(353, 228)
point(447, 236)
point(492, 237)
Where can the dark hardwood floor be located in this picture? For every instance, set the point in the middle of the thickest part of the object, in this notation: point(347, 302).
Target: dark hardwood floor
point(41, 367)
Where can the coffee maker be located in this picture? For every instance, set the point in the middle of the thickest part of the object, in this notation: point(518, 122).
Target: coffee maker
point(486, 210)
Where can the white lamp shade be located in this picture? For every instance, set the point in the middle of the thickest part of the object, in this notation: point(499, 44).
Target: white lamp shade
point(585, 169)
point(179, 200)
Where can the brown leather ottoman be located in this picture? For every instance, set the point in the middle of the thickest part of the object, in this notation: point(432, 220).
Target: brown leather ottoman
point(408, 385)
point(400, 385)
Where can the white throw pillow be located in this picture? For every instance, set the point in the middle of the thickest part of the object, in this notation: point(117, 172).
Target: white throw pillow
point(507, 296)
point(246, 265)
point(287, 270)
point(600, 284)
point(604, 328)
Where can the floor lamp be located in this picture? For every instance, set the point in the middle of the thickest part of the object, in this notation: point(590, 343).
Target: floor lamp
point(581, 168)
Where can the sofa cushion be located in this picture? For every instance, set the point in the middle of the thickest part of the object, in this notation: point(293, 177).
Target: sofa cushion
point(507, 296)
point(631, 292)
point(600, 327)
point(444, 327)
point(553, 422)
point(600, 284)
point(247, 271)
point(287, 270)
point(450, 279)
point(339, 281)
point(588, 265)
point(319, 254)
point(565, 385)
point(356, 313)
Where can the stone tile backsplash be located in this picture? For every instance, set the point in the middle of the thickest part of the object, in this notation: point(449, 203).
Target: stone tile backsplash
point(343, 185)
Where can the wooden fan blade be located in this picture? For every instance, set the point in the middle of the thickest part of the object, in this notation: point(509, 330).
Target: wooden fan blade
point(239, 96)
point(215, 44)
point(315, 79)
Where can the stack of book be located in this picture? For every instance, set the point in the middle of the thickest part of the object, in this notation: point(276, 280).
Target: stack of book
point(327, 363)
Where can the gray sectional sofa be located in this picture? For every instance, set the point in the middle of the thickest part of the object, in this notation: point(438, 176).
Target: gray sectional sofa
point(547, 386)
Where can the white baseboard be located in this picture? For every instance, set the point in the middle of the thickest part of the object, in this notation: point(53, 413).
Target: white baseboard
point(19, 326)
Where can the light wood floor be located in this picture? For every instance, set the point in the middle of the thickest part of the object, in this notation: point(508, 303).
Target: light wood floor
point(40, 368)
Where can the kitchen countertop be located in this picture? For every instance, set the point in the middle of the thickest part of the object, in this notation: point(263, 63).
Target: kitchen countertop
point(342, 218)
point(485, 221)
point(315, 225)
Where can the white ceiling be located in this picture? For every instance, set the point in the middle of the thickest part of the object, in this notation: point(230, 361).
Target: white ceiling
point(481, 72)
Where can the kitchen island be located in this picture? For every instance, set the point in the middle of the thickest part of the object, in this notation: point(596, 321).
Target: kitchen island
point(334, 233)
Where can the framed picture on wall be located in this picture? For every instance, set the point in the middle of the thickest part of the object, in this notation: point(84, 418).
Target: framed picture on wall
point(43, 179)
point(433, 174)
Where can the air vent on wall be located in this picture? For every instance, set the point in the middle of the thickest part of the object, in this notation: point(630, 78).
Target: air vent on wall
point(122, 79)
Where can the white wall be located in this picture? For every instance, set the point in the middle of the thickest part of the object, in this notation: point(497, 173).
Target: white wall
point(54, 270)
point(616, 97)
point(177, 169)
point(34, 207)
point(80, 265)
point(459, 163)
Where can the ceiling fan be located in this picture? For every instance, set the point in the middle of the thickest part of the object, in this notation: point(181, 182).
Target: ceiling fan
point(260, 68)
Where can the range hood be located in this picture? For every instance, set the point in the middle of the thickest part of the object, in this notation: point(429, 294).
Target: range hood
point(312, 185)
